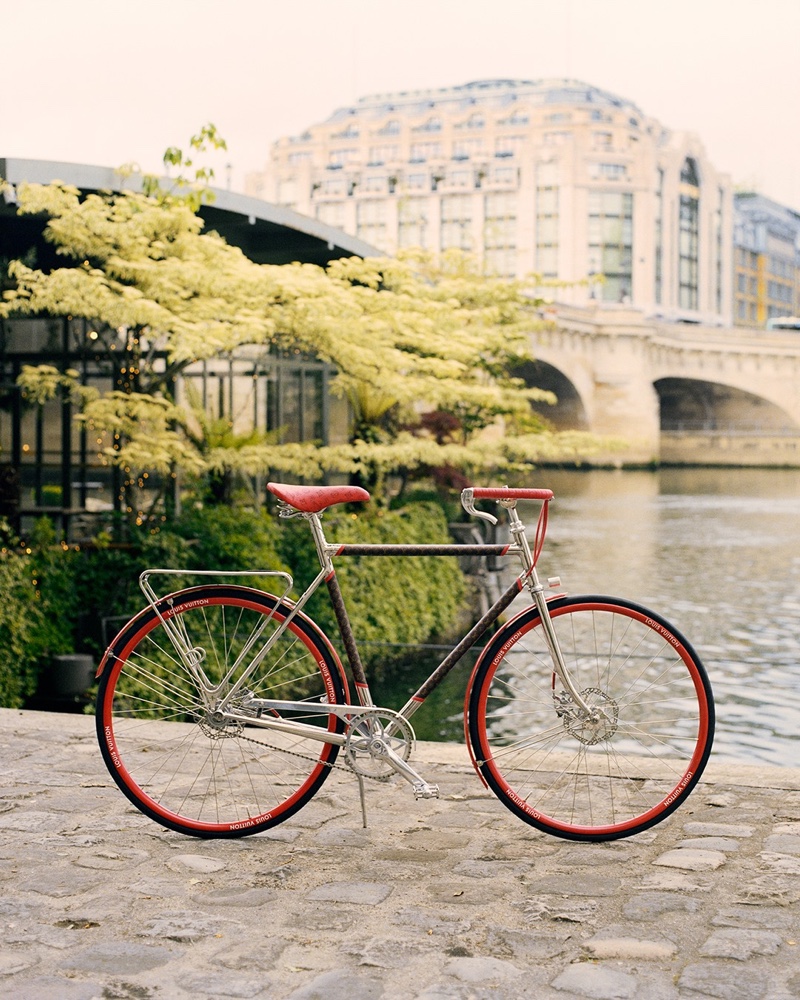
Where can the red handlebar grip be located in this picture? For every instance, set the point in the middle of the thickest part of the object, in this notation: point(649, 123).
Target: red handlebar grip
point(504, 493)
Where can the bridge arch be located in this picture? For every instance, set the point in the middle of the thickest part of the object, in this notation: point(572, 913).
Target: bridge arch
point(569, 411)
point(691, 404)
point(630, 377)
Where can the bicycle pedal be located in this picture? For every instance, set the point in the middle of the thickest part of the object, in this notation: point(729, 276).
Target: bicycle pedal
point(422, 790)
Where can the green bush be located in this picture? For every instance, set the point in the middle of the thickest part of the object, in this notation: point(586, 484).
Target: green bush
point(209, 538)
point(36, 613)
point(389, 599)
point(228, 538)
point(60, 600)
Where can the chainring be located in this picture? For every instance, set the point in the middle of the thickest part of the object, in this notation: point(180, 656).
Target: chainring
point(367, 735)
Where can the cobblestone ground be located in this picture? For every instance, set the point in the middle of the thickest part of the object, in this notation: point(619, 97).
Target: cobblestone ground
point(436, 900)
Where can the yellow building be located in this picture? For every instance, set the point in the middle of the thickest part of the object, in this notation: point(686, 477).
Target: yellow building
point(766, 261)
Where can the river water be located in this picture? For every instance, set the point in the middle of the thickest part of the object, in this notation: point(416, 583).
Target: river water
point(717, 553)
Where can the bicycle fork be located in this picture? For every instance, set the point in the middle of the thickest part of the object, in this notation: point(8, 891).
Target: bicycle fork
point(536, 589)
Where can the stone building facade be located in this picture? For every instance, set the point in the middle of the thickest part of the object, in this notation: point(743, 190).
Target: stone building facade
point(552, 177)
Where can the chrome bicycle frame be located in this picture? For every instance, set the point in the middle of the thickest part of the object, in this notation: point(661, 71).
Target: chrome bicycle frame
point(237, 704)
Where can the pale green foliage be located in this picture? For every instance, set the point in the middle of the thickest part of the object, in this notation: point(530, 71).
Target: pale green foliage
point(194, 190)
point(406, 336)
point(145, 264)
point(42, 382)
point(150, 429)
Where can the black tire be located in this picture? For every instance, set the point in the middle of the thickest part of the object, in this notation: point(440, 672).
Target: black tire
point(166, 752)
point(581, 779)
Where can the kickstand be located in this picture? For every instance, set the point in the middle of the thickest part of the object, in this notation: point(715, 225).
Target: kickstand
point(363, 799)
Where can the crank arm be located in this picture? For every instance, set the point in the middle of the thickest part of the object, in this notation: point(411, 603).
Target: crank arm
point(422, 790)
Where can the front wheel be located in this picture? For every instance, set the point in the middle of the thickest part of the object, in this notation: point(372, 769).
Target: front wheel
point(186, 765)
point(617, 771)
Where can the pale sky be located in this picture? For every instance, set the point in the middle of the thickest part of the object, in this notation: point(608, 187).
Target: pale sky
point(107, 83)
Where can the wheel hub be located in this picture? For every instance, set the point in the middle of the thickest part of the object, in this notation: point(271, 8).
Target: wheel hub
point(599, 725)
point(217, 726)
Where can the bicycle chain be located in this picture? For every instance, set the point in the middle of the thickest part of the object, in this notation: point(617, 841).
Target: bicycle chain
point(220, 734)
point(314, 760)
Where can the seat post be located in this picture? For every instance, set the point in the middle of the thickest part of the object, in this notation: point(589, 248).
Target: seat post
point(324, 549)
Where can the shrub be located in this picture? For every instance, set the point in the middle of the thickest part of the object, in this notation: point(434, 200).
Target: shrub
point(389, 599)
point(58, 600)
point(36, 613)
point(229, 538)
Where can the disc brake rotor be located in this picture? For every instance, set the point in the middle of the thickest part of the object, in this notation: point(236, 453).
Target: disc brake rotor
point(600, 724)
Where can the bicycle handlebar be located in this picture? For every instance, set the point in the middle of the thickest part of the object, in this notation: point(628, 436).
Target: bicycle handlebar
point(505, 493)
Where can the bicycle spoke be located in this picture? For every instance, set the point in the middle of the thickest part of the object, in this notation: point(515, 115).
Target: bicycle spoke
point(624, 765)
point(173, 750)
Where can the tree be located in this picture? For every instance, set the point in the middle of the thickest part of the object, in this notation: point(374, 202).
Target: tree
point(408, 338)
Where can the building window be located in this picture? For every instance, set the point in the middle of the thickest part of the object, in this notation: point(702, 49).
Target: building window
point(297, 400)
point(331, 213)
point(371, 222)
point(340, 157)
point(689, 237)
point(505, 176)
point(608, 171)
point(464, 148)
point(507, 145)
point(421, 151)
point(412, 223)
point(659, 237)
point(334, 188)
point(556, 138)
point(546, 226)
point(431, 125)
point(611, 243)
point(351, 132)
point(474, 121)
point(515, 118)
point(460, 178)
point(418, 182)
point(456, 228)
point(375, 182)
point(500, 234)
point(386, 153)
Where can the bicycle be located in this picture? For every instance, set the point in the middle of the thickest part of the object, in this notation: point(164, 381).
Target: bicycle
point(222, 708)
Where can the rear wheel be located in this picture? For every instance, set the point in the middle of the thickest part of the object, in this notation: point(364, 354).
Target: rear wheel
point(623, 768)
point(181, 763)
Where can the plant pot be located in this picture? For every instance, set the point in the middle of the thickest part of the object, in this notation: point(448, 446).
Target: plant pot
point(69, 675)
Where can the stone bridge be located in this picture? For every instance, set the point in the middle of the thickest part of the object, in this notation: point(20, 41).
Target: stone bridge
point(674, 392)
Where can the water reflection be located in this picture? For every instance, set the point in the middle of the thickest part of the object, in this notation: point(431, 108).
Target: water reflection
point(717, 552)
